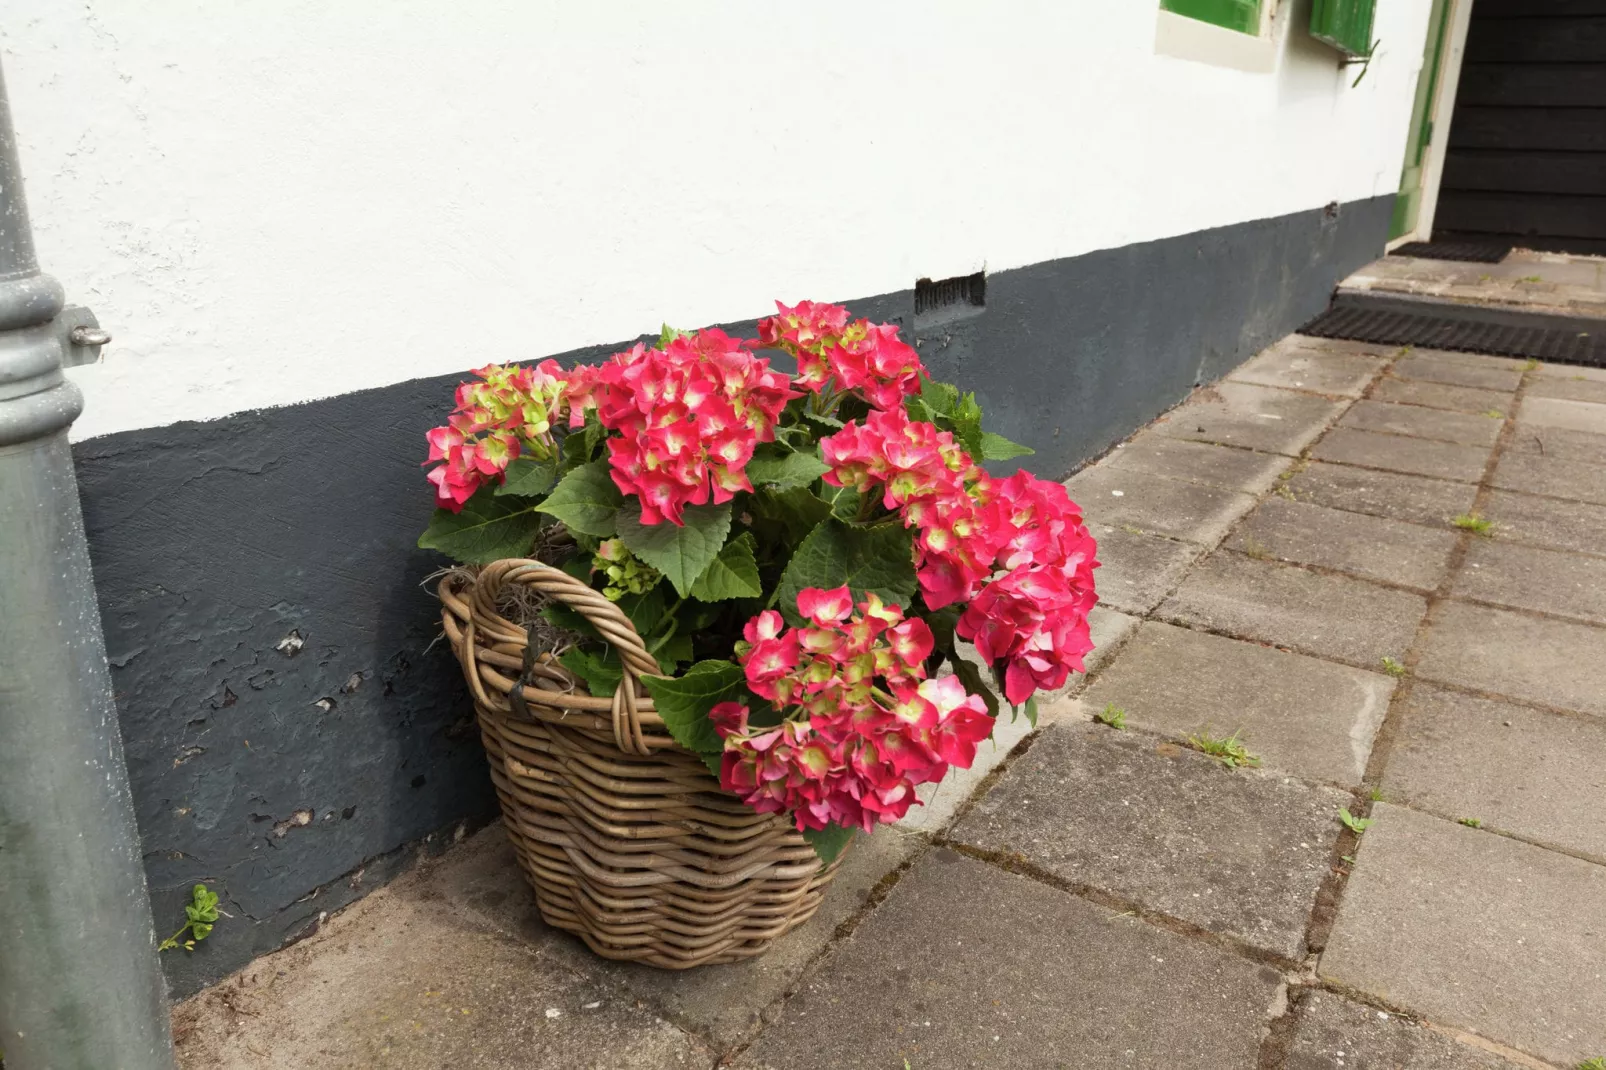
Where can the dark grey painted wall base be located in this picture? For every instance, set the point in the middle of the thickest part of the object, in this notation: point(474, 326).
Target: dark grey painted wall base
point(291, 724)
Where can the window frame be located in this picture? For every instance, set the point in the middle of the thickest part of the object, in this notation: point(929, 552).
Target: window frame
point(1247, 17)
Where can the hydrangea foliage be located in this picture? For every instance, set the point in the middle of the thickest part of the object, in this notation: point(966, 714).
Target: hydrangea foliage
point(820, 544)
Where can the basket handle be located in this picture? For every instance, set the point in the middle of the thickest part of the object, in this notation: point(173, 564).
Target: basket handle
point(629, 701)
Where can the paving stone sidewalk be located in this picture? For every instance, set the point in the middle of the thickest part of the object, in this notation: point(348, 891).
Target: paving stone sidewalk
point(1297, 558)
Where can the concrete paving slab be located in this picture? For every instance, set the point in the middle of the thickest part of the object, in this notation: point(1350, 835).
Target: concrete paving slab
point(1335, 1033)
point(1256, 417)
point(1416, 499)
point(1560, 525)
point(1311, 343)
point(1559, 444)
point(1241, 853)
point(1553, 662)
point(401, 980)
point(1329, 616)
point(1570, 387)
point(1343, 374)
point(1418, 422)
point(1575, 372)
point(1138, 570)
point(1414, 456)
point(1478, 931)
point(1308, 717)
point(1157, 505)
point(1437, 367)
point(1470, 360)
point(1197, 462)
point(1527, 577)
point(1369, 546)
point(1586, 416)
point(965, 965)
point(722, 1003)
point(1542, 474)
point(1539, 775)
point(1441, 395)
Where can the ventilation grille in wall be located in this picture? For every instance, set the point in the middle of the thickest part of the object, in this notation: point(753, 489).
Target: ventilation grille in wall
point(945, 296)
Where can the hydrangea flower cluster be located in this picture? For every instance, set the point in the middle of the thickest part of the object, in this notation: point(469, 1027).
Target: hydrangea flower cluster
point(688, 417)
point(506, 414)
point(861, 723)
point(1032, 620)
point(625, 573)
point(833, 354)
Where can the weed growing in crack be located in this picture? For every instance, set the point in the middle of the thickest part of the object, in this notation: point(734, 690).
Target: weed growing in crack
point(1494, 414)
point(1355, 824)
point(1530, 364)
point(1228, 751)
point(1253, 547)
point(1470, 822)
point(1393, 666)
point(1111, 715)
point(1474, 523)
point(201, 914)
point(1376, 795)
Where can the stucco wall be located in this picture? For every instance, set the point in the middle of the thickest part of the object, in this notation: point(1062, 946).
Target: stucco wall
point(268, 203)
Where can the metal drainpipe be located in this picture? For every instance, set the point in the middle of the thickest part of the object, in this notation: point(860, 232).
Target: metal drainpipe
point(80, 986)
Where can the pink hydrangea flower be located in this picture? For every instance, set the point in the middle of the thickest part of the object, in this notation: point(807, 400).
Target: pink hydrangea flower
point(508, 412)
point(688, 417)
point(861, 727)
point(833, 354)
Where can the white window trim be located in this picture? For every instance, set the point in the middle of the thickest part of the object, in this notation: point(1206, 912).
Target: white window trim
point(1180, 37)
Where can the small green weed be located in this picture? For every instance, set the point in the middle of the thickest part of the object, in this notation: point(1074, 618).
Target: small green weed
point(1355, 824)
point(1285, 491)
point(1474, 523)
point(1530, 364)
point(1393, 666)
point(1229, 751)
point(1471, 822)
point(1376, 795)
point(1494, 414)
point(1255, 549)
point(1111, 715)
point(1131, 529)
point(1530, 278)
point(202, 913)
point(1597, 1063)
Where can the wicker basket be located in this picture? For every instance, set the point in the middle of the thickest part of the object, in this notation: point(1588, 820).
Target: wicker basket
point(629, 841)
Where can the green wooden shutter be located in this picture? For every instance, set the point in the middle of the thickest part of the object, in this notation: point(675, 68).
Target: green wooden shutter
point(1344, 24)
point(1240, 15)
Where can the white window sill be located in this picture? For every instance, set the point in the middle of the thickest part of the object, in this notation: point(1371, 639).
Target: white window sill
point(1180, 37)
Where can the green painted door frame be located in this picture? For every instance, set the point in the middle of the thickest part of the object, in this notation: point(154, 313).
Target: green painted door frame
point(1408, 205)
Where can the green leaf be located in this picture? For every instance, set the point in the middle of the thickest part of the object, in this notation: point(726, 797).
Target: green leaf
point(713, 759)
point(998, 448)
point(192, 912)
point(684, 701)
point(940, 398)
point(829, 842)
point(970, 676)
point(844, 501)
point(878, 558)
point(601, 678)
point(646, 611)
point(797, 509)
point(967, 424)
point(830, 423)
point(580, 443)
point(200, 929)
point(680, 552)
point(667, 334)
point(586, 500)
point(671, 651)
point(732, 574)
point(529, 477)
point(488, 529)
point(788, 468)
point(1030, 710)
point(942, 623)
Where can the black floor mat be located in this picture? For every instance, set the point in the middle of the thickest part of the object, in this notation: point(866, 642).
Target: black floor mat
point(1476, 252)
point(1391, 327)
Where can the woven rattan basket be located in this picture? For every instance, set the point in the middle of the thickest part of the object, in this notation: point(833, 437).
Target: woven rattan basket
point(628, 840)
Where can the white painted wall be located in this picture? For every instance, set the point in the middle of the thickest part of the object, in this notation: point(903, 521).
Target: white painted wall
point(271, 202)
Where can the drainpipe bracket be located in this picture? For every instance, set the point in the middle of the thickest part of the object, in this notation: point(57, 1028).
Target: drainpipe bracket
point(81, 336)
